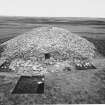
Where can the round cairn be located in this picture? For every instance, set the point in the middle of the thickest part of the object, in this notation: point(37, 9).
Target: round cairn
point(45, 40)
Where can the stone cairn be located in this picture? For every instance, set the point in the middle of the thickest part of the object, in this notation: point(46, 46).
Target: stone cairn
point(45, 49)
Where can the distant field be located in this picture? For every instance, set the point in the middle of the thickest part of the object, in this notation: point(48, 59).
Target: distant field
point(89, 27)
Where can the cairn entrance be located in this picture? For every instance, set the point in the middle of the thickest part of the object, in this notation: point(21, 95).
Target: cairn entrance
point(47, 56)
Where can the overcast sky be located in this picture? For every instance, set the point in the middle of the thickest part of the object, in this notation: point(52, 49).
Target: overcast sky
point(53, 8)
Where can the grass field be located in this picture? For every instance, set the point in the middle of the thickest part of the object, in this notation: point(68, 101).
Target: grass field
point(87, 87)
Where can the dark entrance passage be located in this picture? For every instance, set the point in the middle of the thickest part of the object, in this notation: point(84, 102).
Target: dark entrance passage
point(29, 85)
point(47, 56)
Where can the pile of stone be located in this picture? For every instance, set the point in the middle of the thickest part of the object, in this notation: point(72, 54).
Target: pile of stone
point(45, 40)
point(84, 65)
point(21, 67)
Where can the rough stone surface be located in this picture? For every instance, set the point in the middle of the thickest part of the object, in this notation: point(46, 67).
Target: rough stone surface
point(49, 38)
point(60, 43)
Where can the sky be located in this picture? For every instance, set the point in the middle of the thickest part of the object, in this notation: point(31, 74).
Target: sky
point(53, 8)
